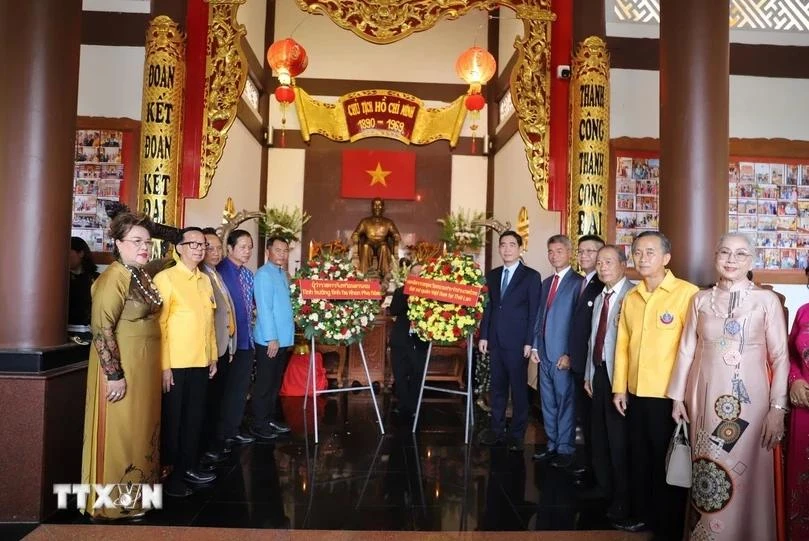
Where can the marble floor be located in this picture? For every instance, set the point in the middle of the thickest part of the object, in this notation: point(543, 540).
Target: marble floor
point(360, 480)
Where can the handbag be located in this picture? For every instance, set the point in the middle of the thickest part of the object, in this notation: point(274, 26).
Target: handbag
point(678, 458)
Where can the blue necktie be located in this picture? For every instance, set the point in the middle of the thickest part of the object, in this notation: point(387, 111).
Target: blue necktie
point(504, 283)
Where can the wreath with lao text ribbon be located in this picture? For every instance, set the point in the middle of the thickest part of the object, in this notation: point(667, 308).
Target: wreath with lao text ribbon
point(328, 320)
point(444, 322)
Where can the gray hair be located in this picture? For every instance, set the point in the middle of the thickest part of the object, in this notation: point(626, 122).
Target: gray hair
point(737, 235)
point(561, 239)
point(617, 249)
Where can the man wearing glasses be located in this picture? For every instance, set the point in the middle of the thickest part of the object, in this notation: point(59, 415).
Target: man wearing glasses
point(188, 357)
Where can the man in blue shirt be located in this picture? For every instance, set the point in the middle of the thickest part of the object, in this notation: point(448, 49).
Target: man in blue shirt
point(239, 283)
point(274, 337)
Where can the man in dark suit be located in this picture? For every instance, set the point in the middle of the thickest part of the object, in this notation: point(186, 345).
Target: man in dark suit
point(506, 333)
point(551, 340)
point(408, 353)
point(580, 327)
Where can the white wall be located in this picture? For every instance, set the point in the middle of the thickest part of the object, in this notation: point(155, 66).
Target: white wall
point(110, 81)
point(335, 53)
point(121, 6)
point(238, 176)
point(468, 188)
point(510, 27)
point(253, 15)
point(285, 177)
point(513, 189)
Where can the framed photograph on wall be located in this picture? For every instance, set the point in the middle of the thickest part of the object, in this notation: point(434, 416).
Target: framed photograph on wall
point(105, 171)
point(768, 198)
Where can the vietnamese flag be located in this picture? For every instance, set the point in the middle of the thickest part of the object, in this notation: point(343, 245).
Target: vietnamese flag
point(378, 173)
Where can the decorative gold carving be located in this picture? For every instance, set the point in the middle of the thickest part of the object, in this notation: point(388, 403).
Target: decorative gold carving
point(162, 118)
point(530, 91)
point(226, 74)
point(329, 119)
point(387, 21)
point(589, 139)
point(232, 219)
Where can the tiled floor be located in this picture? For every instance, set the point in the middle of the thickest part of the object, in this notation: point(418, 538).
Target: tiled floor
point(357, 479)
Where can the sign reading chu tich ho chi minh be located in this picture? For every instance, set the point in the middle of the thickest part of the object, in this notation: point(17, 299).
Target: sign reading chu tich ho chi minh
point(379, 113)
point(161, 120)
point(589, 139)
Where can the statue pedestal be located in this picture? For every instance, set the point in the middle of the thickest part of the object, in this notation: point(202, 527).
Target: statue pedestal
point(374, 343)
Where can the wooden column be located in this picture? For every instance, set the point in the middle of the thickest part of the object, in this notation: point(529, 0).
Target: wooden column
point(694, 81)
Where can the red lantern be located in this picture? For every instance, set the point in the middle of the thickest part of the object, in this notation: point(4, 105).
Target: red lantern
point(284, 94)
point(288, 59)
point(475, 102)
point(475, 66)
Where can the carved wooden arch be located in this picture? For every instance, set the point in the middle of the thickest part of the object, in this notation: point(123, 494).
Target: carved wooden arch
point(387, 21)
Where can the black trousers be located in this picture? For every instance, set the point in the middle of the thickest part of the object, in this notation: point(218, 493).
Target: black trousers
point(610, 446)
point(583, 409)
point(509, 371)
point(269, 377)
point(183, 413)
point(213, 403)
point(408, 369)
point(237, 381)
point(654, 501)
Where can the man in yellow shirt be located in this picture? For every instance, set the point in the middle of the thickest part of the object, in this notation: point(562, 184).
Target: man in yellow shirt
point(188, 357)
point(649, 328)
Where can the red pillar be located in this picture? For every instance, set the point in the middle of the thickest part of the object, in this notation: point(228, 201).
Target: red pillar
point(559, 148)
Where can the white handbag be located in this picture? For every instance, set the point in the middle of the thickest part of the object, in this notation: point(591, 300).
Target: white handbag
point(678, 459)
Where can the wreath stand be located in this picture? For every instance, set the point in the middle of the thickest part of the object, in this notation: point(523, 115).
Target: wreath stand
point(312, 380)
point(469, 393)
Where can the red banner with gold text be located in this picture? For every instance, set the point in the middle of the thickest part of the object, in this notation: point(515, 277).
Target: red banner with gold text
point(460, 294)
point(340, 289)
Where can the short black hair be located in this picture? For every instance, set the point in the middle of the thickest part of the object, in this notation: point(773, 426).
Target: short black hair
point(208, 231)
point(181, 233)
point(271, 240)
point(664, 240)
point(235, 235)
point(594, 238)
point(510, 233)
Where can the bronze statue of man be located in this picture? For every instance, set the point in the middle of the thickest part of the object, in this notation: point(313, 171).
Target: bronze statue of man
point(376, 237)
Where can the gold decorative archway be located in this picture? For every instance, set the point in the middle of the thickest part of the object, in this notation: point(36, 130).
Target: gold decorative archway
point(388, 21)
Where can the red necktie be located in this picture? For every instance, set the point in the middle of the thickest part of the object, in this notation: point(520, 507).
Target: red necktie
point(601, 333)
point(554, 287)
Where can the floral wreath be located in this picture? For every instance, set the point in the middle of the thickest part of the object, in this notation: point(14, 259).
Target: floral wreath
point(441, 322)
point(332, 321)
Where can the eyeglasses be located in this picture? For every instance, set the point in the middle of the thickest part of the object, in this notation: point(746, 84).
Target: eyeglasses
point(588, 251)
point(194, 245)
point(140, 242)
point(725, 253)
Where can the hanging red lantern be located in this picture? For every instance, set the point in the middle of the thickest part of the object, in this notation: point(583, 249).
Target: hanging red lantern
point(288, 59)
point(475, 102)
point(475, 66)
point(285, 95)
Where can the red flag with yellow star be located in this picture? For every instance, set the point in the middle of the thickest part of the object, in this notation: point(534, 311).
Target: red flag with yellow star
point(378, 173)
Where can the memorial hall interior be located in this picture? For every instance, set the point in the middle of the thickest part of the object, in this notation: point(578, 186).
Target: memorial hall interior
point(675, 107)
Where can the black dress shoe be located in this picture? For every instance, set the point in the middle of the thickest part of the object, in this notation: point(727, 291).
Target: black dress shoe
point(213, 457)
point(562, 461)
point(178, 492)
point(579, 470)
point(488, 437)
point(629, 525)
point(544, 455)
point(264, 434)
point(240, 439)
point(199, 477)
point(515, 445)
point(279, 427)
